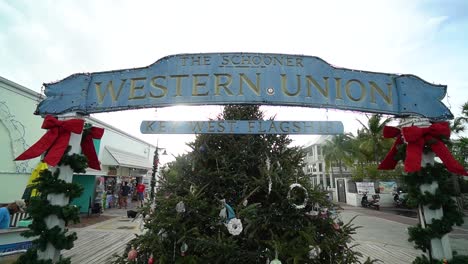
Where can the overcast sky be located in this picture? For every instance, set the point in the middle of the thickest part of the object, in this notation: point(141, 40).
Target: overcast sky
point(46, 41)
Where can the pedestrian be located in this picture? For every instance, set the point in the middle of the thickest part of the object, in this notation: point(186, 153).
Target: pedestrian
point(125, 190)
point(10, 209)
point(141, 192)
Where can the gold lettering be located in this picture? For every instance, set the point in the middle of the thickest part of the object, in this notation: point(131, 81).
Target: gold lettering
point(234, 58)
point(319, 88)
point(149, 126)
point(250, 84)
point(224, 85)
point(221, 126)
point(387, 97)
point(110, 89)
point(197, 84)
point(299, 62)
point(272, 127)
point(283, 128)
point(183, 60)
point(225, 60)
point(348, 90)
point(338, 88)
point(251, 125)
point(133, 88)
point(289, 61)
point(158, 86)
point(196, 126)
point(275, 59)
point(211, 126)
point(296, 127)
point(178, 79)
point(284, 87)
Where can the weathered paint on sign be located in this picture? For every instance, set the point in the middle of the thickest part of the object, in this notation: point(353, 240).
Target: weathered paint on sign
point(242, 127)
point(245, 78)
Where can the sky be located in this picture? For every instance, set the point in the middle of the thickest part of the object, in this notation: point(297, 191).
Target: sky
point(46, 41)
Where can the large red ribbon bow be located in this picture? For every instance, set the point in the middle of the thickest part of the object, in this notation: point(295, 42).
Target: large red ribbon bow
point(389, 162)
point(54, 141)
point(87, 146)
point(416, 137)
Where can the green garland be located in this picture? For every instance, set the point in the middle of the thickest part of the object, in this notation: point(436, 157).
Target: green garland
point(39, 208)
point(440, 199)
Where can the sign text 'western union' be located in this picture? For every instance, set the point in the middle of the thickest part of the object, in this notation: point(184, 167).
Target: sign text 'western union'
point(245, 78)
point(242, 127)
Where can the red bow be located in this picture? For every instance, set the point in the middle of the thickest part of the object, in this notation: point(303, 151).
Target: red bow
point(87, 147)
point(55, 140)
point(416, 137)
point(389, 161)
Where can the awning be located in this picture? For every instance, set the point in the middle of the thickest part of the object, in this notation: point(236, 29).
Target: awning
point(94, 172)
point(117, 157)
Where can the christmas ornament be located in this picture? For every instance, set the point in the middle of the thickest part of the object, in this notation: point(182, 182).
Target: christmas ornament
point(180, 207)
point(324, 213)
point(270, 183)
point(336, 226)
point(183, 249)
point(234, 226)
point(314, 212)
point(132, 254)
point(276, 260)
point(314, 252)
point(162, 234)
point(151, 259)
point(245, 202)
point(192, 189)
point(306, 195)
point(227, 213)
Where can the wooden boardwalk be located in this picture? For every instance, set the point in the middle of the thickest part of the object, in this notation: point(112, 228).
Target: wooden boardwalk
point(98, 243)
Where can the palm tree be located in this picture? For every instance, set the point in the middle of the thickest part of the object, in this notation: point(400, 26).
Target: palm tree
point(337, 151)
point(370, 136)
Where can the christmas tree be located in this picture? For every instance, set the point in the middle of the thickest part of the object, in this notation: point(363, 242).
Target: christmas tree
point(241, 199)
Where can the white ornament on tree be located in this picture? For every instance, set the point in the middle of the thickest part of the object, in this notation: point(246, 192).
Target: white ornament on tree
point(180, 207)
point(234, 226)
point(314, 252)
point(306, 195)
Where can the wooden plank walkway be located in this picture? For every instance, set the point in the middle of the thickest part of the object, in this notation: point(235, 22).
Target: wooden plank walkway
point(98, 243)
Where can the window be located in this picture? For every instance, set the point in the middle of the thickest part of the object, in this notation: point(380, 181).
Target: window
point(320, 167)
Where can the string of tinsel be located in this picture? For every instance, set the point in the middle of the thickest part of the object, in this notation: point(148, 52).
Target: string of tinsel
point(39, 208)
point(440, 199)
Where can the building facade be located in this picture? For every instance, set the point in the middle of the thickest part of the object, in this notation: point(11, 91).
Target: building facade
point(123, 157)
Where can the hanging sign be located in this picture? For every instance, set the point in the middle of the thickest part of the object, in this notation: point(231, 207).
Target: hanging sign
point(245, 78)
point(242, 127)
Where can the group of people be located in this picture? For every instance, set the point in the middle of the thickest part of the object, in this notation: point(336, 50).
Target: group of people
point(125, 191)
point(8, 210)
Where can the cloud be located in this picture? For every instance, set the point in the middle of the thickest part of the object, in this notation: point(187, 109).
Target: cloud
point(45, 41)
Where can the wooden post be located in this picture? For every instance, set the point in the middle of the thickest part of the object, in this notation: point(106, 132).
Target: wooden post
point(440, 248)
point(66, 174)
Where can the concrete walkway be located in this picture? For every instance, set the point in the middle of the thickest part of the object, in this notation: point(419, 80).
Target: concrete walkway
point(384, 236)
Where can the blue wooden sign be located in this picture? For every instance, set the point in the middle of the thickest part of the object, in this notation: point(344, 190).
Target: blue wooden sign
point(242, 127)
point(245, 78)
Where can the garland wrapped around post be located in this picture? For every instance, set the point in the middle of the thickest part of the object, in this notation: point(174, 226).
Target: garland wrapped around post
point(50, 210)
point(428, 185)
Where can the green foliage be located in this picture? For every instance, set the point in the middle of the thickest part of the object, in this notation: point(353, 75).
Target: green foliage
point(40, 208)
point(253, 174)
point(440, 199)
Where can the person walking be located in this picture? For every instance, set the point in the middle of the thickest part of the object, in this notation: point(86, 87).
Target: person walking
point(125, 190)
point(140, 192)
